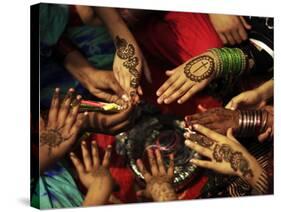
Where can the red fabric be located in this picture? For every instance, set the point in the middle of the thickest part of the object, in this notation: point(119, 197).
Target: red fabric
point(167, 43)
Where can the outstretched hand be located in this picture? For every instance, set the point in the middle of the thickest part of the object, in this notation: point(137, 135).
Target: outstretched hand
point(159, 181)
point(94, 174)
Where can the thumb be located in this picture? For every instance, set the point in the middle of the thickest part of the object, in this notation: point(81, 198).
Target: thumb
point(245, 23)
point(230, 135)
point(235, 102)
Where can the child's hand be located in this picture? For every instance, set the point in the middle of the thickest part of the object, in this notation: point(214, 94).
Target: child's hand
point(59, 133)
point(94, 175)
point(159, 182)
point(187, 79)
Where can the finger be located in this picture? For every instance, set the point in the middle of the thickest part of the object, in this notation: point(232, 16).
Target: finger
point(142, 169)
point(236, 36)
point(139, 89)
point(107, 155)
point(116, 88)
point(160, 162)
point(245, 23)
point(195, 89)
point(203, 163)
point(230, 135)
point(53, 113)
point(108, 97)
point(201, 108)
point(209, 133)
point(231, 105)
point(146, 71)
point(71, 118)
point(95, 155)
point(86, 156)
point(77, 164)
point(178, 93)
point(80, 120)
point(198, 148)
point(167, 84)
point(120, 117)
point(261, 105)
point(229, 38)
point(121, 127)
point(64, 108)
point(170, 72)
point(242, 33)
point(223, 38)
point(264, 136)
point(172, 89)
point(171, 166)
point(152, 163)
point(42, 125)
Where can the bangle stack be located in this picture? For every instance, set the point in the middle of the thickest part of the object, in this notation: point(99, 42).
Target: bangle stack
point(231, 63)
point(252, 122)
point(261, 186)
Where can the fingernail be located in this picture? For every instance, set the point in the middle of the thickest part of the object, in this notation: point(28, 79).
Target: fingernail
point(191, 161)
point(71, 154)
point(57, 90)
point(86, 113)
point(179, 101)
point(158, 93)
point(195, 126)
point(84, 142)
point(159, 101)
point(94, 142)
point(125, 98)
point(187, 142)
point(187, 134)
point(166, 101)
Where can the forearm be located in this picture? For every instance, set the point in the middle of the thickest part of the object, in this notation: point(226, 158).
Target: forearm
point(78, 66)
point(115, 24)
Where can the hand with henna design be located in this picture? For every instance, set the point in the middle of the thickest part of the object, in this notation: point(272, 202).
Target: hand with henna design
point(225, 155)
point(159, 182)
point(127, 67)
point(58, 135)
point(94, 175)
point(187, 79)
point(217, 119)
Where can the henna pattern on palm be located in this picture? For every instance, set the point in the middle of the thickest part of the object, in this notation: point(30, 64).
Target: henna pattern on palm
point(126, 52)
point(199, 68)
point(53, 138)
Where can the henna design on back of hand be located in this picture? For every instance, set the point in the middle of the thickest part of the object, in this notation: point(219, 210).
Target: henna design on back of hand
point(199, 68)
point(126, 52)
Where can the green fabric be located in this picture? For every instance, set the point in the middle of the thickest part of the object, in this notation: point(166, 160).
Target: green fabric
point(56, 188)
point(53, 19)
